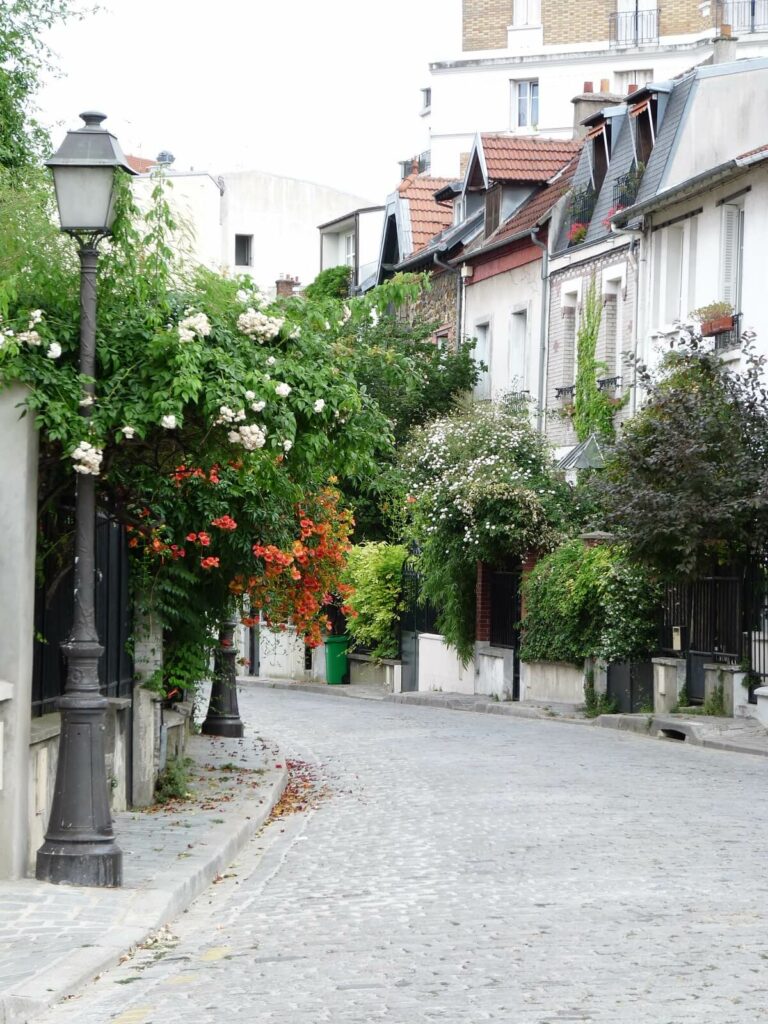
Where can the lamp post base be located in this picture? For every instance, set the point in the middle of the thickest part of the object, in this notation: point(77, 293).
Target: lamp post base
point(86, 863)
point(223, 717)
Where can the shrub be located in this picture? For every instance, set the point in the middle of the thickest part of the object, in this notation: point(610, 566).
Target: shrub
point(585, 602)
point(375, 573)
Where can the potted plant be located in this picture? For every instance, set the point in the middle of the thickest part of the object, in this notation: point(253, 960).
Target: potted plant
point(577, 233)
point(715, 318)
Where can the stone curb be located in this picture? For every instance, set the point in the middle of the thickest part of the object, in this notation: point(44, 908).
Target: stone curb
point(142, 911)
point(342, 690)
point(696, 734)
point(512, 710)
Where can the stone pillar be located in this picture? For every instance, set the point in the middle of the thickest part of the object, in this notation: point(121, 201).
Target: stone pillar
point(18, 528)
point(668, 681)
point(735, 694)
point(148, 657)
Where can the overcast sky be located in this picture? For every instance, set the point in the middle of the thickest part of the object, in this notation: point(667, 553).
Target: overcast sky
point(327, 91)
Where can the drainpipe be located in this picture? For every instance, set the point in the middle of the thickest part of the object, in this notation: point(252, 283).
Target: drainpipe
point(446, 266)
point(543, 327)
point(636, 236)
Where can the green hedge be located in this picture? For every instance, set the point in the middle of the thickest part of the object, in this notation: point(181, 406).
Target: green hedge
point(375, 572)
point(583, 602)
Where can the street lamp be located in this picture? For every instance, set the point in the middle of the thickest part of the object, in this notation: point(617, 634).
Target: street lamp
point(80, 847)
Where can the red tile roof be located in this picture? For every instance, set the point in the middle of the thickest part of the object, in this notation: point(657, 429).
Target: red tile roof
point(428, 218)
point(521, 158)
point(140, 163)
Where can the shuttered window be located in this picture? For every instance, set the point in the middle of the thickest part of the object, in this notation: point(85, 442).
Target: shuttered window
point(731, 246)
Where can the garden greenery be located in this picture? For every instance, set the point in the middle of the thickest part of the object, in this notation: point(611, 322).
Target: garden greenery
point(374, 575)
point(480, 486)
point(593, 409)
point(589, 602)
point(685, 484)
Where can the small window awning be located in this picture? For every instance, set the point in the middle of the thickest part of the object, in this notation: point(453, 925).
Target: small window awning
point(637, 111)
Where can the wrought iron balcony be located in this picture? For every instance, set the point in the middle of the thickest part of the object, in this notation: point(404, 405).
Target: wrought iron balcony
point(730, 338)
point(566, 393)
point(625, 189)
point(742, 15)
point(608, 383)
point(634, 28)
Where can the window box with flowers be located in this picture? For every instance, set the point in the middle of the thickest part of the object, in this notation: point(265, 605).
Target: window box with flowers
point(577, 233)
point(714, 318)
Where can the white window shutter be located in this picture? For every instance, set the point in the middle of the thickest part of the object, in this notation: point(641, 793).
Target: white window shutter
point(729, 256)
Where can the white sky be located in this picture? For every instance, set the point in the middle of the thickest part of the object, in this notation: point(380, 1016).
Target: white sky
point(326, 90)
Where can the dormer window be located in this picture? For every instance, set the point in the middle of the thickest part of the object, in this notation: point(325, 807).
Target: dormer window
point(492, 209)
point(643, 117)
point(599, 152)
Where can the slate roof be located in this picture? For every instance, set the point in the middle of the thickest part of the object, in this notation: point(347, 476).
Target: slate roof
point(427, 216)
point(665, 140)
point(448, 243)
point(523, 158)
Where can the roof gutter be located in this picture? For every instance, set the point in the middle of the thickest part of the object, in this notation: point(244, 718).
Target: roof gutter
point(499, 243)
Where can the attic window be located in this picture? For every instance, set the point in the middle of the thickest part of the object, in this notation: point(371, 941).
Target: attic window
point(492, 209)
point(599, 152)
point(643, 118)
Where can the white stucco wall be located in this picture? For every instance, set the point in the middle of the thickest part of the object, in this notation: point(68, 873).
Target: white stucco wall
point(497, 301)
point(282, 214)
point(467, 99)
point(440, 668)
point(370, 226)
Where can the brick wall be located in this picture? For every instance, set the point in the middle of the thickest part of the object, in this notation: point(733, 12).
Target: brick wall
point(616, 336)
point(483, 606)
point(484, 24)
point(573, 21)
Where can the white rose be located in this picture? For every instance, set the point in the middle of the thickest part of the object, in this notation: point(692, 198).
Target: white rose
point(258, 406)
point(287, 445)
point(282, 389)
point(168, 421)
point(250, 395)
point(54, 350)
point(319, 405)
point(271, 361)
point(128, 432)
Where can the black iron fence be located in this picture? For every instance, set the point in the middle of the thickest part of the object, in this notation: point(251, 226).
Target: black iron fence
point(729, 338)
point(505, 607)
point(625, 189)
point(634, 28)
point(54, 607)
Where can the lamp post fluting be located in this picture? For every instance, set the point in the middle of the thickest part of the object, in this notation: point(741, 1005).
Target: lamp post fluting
point(223, 717)
point(80, 847)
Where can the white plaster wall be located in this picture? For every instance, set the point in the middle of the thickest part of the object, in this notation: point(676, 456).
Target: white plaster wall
point(555, 681)
point(727, 116)
point(195, 200)
point(494, 301)
point(466, 100)
point(440, 668)
point(282, 214)
point(18, 527)
point(281, 654)
point(371, 225)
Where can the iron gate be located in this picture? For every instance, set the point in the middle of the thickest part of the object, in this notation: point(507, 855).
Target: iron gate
point(54, 609)
point(630, 685)
point(504, 586)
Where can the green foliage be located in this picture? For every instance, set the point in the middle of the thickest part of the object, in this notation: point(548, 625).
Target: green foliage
point(593, 409)
point(685, 483)
point(480, 485)
point(24, 57)
point(332, 283)
point(715, 702)
point(173, 781)
point(584, 602)
point(375, 573)
point(596, 704)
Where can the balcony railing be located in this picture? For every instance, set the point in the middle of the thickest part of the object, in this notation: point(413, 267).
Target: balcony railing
point(730, 338)
point(625, 189)
point(608, 383)
point(742, 15)
point(634, 28)
point(580, 210)
point(565, 394)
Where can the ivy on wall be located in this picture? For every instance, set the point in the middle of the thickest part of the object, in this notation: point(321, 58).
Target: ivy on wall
point(593, 408)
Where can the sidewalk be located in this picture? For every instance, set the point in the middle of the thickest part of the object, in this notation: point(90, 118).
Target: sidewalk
point(54, 939)
point(363, 691)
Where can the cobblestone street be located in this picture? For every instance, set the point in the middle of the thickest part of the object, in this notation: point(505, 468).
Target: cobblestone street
point(468, 868)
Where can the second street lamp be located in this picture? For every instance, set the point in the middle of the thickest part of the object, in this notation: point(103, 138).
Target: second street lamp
point(80, 847)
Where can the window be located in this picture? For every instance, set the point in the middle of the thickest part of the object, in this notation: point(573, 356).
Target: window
point(526, 12)
point(525, 103)
point(518, 339)
point(731, 254)
point(482, 354)
point(426, 99)
point(492, 209)
point(349, 250)
point(674, 273)
point(599, 153)
point(243, 250)
point(635, 22)
point(625, 79)
point(644, 119)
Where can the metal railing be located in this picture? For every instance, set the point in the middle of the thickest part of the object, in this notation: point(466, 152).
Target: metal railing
point(625, 189)
point(730, 338)
point(742, 15)
point(565, 392)
point(608, 383)
point(633, 28)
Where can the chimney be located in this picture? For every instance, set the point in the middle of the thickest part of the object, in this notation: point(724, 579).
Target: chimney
point(588, 87)
point(632, 87)
point(285, 286)
point(724, 48)
point(605, 85)
point(588, 103)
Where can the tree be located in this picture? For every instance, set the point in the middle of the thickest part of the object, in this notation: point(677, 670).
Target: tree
point(23, 57)
point(687, 482)
point(480, 486)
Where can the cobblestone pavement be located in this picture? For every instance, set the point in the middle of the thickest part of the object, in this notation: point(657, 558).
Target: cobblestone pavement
point(469, 868)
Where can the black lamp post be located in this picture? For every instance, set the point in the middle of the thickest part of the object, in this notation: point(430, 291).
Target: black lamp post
point(79, 847)
point(223, 717)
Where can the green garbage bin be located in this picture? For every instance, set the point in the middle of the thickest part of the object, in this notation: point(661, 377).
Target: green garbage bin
point(336, 661)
